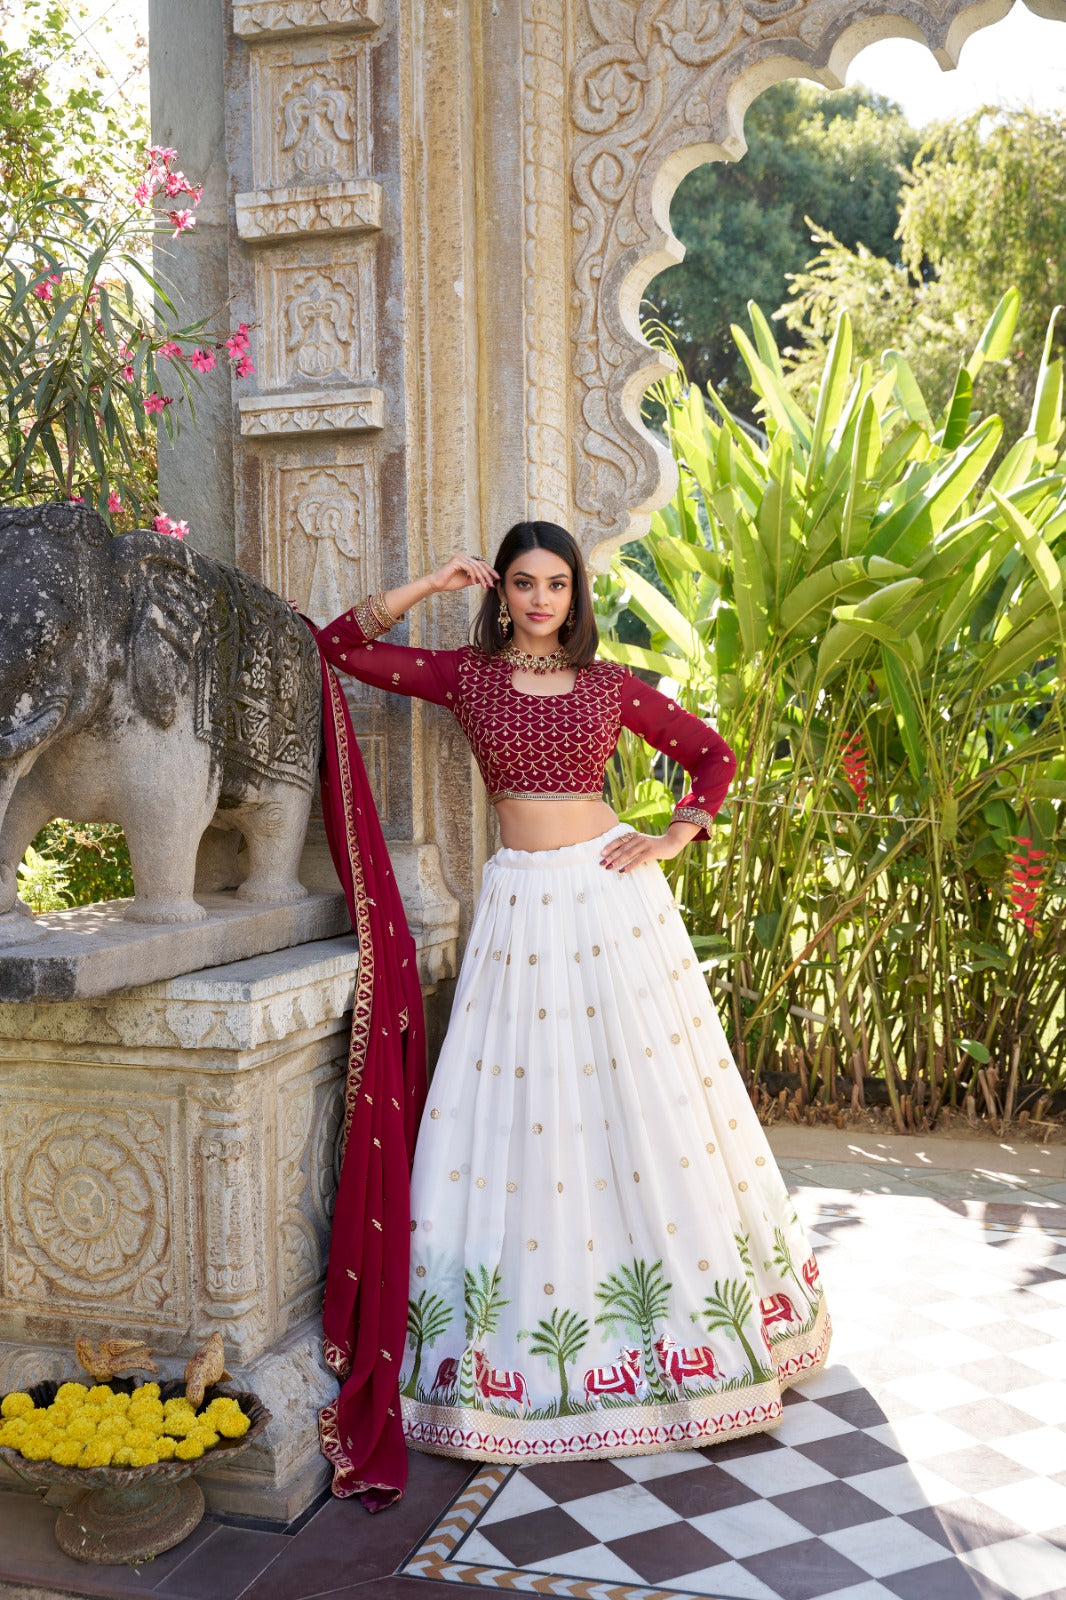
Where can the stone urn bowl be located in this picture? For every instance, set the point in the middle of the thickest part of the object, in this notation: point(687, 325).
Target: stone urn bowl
point(121, 1515)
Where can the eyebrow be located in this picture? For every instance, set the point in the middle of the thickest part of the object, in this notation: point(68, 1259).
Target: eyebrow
point(552, 578)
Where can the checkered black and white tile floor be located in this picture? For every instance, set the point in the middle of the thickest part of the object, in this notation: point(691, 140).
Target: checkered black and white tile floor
point(927, 1462)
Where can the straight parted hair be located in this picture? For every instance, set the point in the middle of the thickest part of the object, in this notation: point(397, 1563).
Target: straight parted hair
point(581, 640)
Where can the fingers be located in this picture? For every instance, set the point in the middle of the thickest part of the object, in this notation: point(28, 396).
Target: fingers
point(629, 851)
point(476, 570)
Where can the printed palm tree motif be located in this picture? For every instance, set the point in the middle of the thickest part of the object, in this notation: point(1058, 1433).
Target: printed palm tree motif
point(743, 1244)
point(483, 1303)
point(634, 1299)
point(427, 1318)
point(730, 1308)
point(561, 1339)
point(786, 1266)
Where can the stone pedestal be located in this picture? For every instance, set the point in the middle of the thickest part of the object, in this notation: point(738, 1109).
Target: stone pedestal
point(167, 1169)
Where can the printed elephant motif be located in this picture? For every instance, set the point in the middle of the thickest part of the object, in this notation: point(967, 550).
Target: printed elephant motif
point(146, 684)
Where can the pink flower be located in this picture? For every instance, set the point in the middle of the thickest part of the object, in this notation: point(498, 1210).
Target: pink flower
point(43, 290)
point(155, 403)
point(160, 153)
point(77, 500)
point(181, 221)
point(170, 351)
point(164, 524)
point(114, 504)
point(202, 360)
point(245, 367)
point(127, 374)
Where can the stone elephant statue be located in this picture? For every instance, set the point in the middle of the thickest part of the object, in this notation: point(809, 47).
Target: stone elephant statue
point(146, 684)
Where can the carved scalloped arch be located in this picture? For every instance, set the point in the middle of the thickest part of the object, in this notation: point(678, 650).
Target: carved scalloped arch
point(659, 87)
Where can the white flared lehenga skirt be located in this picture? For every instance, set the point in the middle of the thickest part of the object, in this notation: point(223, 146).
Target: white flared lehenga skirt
point(605, 1260)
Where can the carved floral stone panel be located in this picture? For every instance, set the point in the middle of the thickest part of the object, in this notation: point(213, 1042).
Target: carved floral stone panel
point(317, 316)
point(311, 113)
point(307, 1133)
point(320, 523)
point(91, 1207)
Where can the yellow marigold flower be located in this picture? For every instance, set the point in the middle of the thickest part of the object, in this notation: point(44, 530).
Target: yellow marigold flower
point(206, 1436)
point(67, 1453)
point(123, 1456)
point(188, 1449)
point(16, 1405)
point(35, 1448)
point(146, 1391)
point(165, 1447)
point(143, 1458)
point(81, 1429)
point(180, 1423)
point(140, 1439)
point(178, 1402)
point(145, 1416)
point(71, 1391)
point(113, 1428)
point(233, 1427)
point(118, 1402)
point(101, 1392)
point(98, 1453)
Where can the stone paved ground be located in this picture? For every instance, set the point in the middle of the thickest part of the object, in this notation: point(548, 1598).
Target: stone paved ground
point(928, 1461)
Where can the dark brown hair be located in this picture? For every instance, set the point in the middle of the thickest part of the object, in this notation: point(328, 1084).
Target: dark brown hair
point(581, 640)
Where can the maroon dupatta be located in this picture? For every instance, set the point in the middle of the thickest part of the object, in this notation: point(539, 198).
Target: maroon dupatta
point(364, 1316)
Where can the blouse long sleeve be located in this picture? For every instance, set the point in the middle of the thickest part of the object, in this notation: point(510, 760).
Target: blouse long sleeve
point(702, 752)
point(352, 643)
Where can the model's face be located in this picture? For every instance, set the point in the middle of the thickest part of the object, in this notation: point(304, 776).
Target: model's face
point(538, 589)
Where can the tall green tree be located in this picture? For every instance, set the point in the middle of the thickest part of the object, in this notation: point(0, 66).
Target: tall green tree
point(837, 158)
point(981, 212)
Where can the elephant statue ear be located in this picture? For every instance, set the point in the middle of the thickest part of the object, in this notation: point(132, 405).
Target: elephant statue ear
point(170, 606)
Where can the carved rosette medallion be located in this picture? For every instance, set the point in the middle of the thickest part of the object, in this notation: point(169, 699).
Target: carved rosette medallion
point(86, 1207)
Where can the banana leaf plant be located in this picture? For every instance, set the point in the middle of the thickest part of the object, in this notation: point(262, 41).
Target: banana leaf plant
point(868, 602)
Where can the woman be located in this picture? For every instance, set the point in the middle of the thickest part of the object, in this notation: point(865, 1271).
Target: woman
point(604, 1258)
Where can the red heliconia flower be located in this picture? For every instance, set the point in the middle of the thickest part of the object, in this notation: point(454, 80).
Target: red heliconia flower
point(1026, 871)
point(853, 759)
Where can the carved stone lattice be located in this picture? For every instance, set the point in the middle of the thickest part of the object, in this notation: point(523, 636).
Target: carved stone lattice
point(311, 121)
point(657, 87)
point(86, 1208)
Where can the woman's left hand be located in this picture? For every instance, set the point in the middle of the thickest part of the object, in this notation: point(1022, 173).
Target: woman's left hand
point(633, 849)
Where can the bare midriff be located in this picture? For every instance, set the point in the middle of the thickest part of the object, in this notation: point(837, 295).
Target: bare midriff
point(553, 822)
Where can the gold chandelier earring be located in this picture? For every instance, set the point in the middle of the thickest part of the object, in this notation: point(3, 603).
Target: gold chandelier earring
point(505, 617)
point(571, 617)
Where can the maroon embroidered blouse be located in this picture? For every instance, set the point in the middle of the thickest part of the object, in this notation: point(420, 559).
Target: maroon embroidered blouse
point(531, 746)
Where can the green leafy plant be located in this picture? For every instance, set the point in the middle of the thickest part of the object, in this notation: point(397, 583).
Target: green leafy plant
point(874, 618)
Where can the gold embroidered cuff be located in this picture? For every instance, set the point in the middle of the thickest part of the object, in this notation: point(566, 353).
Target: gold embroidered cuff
point(692, 814)
point(373, 617)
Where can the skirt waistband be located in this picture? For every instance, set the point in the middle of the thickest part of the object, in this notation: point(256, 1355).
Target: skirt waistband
point(569, 855)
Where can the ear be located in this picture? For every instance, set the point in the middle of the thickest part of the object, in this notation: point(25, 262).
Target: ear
point(170, 604)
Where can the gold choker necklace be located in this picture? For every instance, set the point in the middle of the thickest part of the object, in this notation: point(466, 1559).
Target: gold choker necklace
point(522, 661)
